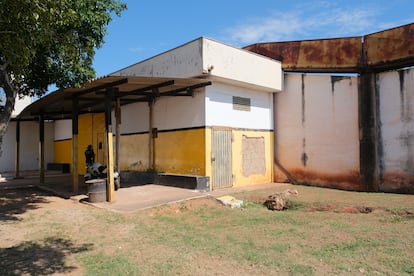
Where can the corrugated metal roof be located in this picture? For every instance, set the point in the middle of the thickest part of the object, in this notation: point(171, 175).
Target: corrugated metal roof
point(92, 95)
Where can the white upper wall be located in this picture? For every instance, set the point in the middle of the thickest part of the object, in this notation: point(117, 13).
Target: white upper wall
point(220, 111)
point(239, 65)
point(181, 62)
point(169, 113)
point(208, 58)
point(179, 112)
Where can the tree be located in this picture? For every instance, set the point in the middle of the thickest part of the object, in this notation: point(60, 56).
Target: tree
point(45, 42)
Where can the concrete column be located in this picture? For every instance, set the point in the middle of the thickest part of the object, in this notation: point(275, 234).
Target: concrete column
point(368, 131)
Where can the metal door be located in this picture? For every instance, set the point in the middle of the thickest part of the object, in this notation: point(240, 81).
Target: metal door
point(101, 156)
point(222, 176)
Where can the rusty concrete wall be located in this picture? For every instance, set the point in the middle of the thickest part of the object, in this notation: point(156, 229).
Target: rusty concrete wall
point(385, 50)
point(327, 55)
point(317, 136)
point(392, 48)
point(395, 92)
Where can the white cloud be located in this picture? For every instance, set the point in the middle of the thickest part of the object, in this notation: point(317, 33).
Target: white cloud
point(321, 20)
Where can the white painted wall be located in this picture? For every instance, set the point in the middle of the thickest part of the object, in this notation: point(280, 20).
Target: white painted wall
point(168, 113)
point(396, 96)
point(242, 66)
point(317, 119)
point(134, 118)
point(180, 112)
point(197, 57)
point(182, 62)
point(219, 107)
point(29, 146)
point(63, 129)
point(8, 149)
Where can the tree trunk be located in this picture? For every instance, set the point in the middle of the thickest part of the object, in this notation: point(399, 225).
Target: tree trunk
point(11, 92)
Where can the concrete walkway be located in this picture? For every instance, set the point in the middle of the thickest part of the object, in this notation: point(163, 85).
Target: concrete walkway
point(128, 199)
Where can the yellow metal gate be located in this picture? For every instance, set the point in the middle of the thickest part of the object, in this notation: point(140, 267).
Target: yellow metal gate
point(222, 176)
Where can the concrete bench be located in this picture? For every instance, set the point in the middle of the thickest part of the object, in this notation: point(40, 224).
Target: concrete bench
point(195, 182)
point(64, 167)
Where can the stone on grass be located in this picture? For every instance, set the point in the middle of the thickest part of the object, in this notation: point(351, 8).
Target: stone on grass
point(230, 201)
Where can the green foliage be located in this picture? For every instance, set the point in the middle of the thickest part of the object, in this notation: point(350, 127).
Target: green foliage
point(48, 41)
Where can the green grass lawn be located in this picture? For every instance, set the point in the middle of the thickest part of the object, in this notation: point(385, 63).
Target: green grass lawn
point(322, 233)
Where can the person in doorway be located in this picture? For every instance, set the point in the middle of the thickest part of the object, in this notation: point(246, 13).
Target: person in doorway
point(89, 155)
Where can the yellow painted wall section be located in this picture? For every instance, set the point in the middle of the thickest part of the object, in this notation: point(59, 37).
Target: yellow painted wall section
point(134, 152)
point(63, 151)
point(91, 129)
point(85, 124)
point(208, 152)
point(240, 178)
point(181, 152)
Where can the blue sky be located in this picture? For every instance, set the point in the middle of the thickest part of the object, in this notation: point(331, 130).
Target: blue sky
point(151, 27)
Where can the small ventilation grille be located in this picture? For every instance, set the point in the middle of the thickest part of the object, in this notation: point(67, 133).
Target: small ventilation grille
point(240, 103)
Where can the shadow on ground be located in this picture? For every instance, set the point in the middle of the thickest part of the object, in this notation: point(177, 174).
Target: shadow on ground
point(43, 258)
point(13, 202)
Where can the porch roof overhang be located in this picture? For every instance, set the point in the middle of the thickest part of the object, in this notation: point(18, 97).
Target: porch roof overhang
point(92, 96)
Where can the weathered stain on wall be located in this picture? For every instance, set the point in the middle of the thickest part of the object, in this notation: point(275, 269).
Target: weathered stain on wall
point(317, 130)
point(396, 96)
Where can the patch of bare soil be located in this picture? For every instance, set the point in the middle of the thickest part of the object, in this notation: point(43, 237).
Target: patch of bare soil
point(20, 253)
point(179, 208)
point(340, 209)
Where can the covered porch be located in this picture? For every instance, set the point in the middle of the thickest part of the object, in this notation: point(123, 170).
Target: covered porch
point(105, 96)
